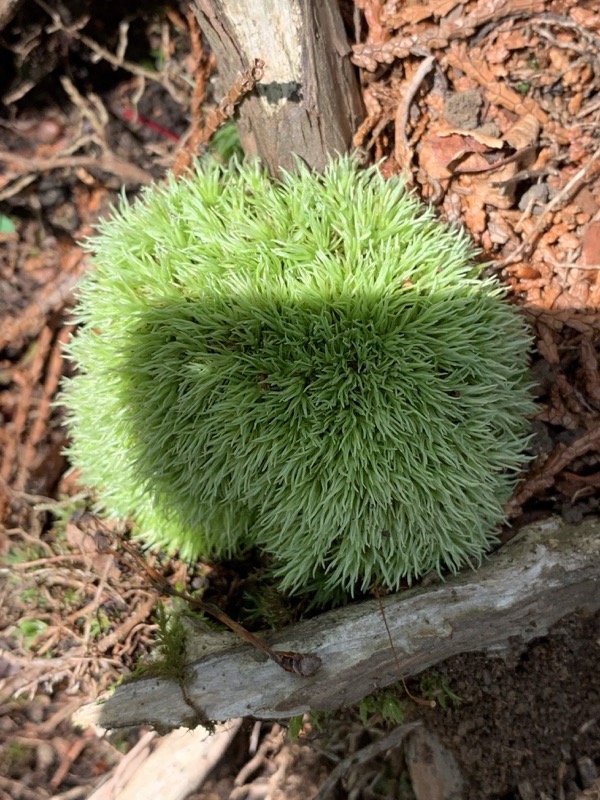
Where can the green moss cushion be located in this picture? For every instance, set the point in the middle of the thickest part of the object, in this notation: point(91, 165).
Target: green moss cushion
point(309, 366)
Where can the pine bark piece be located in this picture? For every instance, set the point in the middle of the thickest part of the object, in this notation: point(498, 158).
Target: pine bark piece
point(550, 569)
point(308, 102)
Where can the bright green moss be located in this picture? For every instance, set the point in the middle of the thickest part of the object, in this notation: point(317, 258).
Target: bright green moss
point(311, 366)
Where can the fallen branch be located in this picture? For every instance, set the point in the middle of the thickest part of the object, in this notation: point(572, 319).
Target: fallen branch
point(127, 173)
point(549, 570)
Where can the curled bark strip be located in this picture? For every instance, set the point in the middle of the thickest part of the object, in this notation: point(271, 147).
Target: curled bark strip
point(243, 85)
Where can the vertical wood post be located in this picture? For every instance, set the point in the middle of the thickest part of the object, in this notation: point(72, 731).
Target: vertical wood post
point(308, 104)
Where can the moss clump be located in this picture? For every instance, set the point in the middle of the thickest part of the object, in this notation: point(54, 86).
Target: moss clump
point(309, 366)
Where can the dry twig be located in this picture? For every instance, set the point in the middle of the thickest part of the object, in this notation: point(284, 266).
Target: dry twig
point(543, 477)
point(72, 31)
point(21, 416)
point(305, 664)
point(403, 153)
point(543, 221)
point(53, 376)
point(108, 162)
point(203, 66)
point(383, 745)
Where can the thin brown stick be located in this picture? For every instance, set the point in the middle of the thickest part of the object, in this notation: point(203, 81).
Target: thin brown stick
point(402, 150)
point(68, 758)
point(305, 664)
point(53, 376)
point(20, 419)
point(67, 558)
point(418, 700)
point(565, 194)
point(128, 173)
point(391, 740)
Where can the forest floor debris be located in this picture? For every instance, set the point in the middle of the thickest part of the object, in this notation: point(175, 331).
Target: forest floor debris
point(491, 110)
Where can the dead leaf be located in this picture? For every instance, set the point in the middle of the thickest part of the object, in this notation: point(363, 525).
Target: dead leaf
point(523, 133)
point(379, 33)
point(441, 153)
point(472, 62)
point(86, 543)
point(559, 58)
point(575, 103)
point(497, 189)
point(546, 344)
point(483, 139)
point(525, 272)
point(474, 212)
point(585, 18)
point(590, 246)
point(500, 230)
point(435, 154)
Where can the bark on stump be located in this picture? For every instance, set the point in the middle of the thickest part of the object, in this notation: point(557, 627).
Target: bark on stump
point(308, 104)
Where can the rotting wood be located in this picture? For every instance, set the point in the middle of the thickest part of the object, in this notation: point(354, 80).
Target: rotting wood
point(550, 569)
point(308, 103)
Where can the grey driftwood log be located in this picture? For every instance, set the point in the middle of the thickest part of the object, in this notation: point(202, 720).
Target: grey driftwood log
point(549, 570)
point(308, 103)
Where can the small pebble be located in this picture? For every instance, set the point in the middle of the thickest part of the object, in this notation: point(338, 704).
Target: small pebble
point(44, 756)
point(536, 194)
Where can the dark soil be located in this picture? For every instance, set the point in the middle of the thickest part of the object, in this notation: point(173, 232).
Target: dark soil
point(528, 719)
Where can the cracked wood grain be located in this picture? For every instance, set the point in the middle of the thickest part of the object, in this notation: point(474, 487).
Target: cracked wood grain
point(308, 103)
